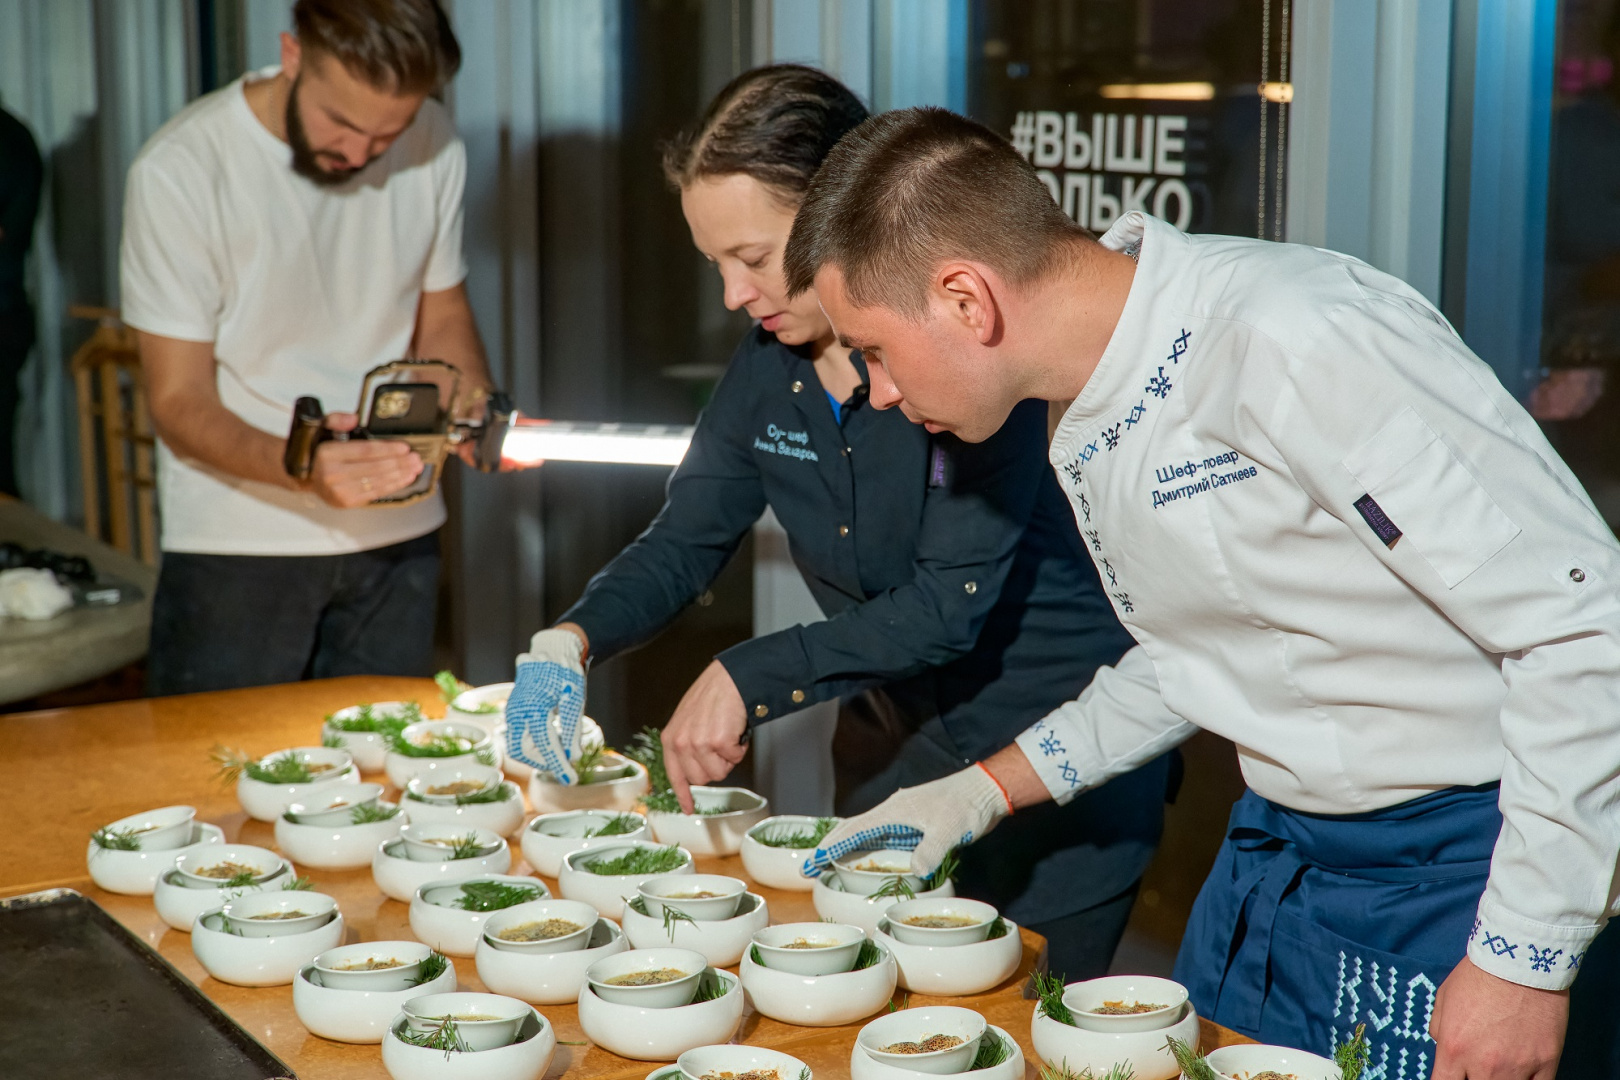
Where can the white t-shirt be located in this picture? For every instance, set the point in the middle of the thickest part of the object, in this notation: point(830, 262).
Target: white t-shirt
point(302, 290)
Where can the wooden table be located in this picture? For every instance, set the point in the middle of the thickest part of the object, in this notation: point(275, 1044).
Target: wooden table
point(82, 643)
point(80, 768)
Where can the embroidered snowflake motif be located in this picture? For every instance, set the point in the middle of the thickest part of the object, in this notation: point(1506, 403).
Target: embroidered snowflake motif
point(1050, 746)
point(1107, 568)
point(1179, 346)
point(1072, 471)
point(1070, 774)
point(1123, 599)
point(1111, 436)
point(1575, 961)
point(1085, 509)
point(1474, 933)
point(1089, 452)
point(1134, 417)
point(1499, 945)
point(1542, 959)
point(1096, 541)
point(1159, 386)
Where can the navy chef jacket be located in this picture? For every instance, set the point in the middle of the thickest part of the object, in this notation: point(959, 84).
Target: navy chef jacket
point(952, 576)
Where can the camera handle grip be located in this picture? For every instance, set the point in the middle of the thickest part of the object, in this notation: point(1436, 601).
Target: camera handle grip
point(308, 431)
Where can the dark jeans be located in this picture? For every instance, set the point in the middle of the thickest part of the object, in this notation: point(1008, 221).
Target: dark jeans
point(226, 621)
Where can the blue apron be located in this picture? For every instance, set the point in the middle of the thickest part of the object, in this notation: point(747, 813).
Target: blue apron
point(1311, 924)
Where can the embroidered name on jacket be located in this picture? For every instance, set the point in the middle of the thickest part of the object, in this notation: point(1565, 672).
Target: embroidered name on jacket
point(1207, 474)
point(793, 444)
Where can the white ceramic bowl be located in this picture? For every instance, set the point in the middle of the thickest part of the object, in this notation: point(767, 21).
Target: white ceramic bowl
point(342, 967)
point(336, 847)
point(453, 930)
point(721, 941)
point(436, 842)
point(672, 994)
point(700, 1061)
point(333, 804)
point(135, 873)
point(915, 1025)
point(647, 1034)
point(1084, 998)
point(889, 863)
point(779, 867)
point(502, 818)
point(838, 946)
point(725, 816)
point(355, 1016)
point(546, 978)
point(590, 734)
point(1060, 1045)
point(979, 918)
point(399, 877)
point(678, 891)
point(505, 1015)
point(179, 905)
point(1241, 1062)
point(368, 748)
point(266, 802)
point(955, 970)
point(620, 795)
point(447, 786)
point(819, 1000)
point(483, 706)
point(278, 914)
point(581, 915)
point(190, 865)
point(258, 961)
point(862, 1066)
point(607, 892)
point(163, 829)
point(481, 750)
point(833, 902)
point(526, 1059)
point(550, 837)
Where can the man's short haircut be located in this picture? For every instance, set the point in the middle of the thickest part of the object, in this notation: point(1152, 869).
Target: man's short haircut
point(775, 124)
point(399, 46)
point(911, 189)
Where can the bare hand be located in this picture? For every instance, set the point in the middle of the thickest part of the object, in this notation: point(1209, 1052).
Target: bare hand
point(1486, 1028)
point(1567, 394)
point(349, 474)
point(703, 740)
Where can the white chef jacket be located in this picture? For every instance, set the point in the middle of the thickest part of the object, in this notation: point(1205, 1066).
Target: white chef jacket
point(1250, 396)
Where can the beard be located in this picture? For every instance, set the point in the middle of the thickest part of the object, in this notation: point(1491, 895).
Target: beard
point(306, 160)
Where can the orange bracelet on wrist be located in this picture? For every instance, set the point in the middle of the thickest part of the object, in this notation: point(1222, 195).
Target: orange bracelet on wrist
point(1005, 797)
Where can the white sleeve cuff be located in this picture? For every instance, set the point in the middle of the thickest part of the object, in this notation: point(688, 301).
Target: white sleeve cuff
point(1525, 951)
point(1056, 762)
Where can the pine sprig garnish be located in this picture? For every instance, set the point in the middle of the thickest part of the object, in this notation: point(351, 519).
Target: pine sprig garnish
point(116, 840)
point(444, 1035)
point(284, 768)
point(786, 836)
point(993, 1050)
point(998, 929)
point(619, 825)
point(658, 860)
point(299, 884)
point(494, 895)
point(370, 813)
point(1049, 989)
point(711, 986)
point(869, 955)
point(895, 888)
point(434, 744)
point(366, 718)
point(466, 847)
point(242, 879)
point(1193, 1065)
point(1353, 1056)
point(647, 750)
point(947, 870)
point(673, 918)
point(431, 969)
point(451, 687)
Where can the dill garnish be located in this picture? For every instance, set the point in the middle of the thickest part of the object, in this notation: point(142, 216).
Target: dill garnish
point(116, 839)
point(657, 860)
point(786, 836)
point(494, 895)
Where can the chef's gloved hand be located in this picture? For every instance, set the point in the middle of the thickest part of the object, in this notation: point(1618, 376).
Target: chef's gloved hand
point(928, 820)
point(550, 681)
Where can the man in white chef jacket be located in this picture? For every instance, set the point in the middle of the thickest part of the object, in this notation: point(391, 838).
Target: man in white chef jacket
point(1338, 541)
point(283, 236)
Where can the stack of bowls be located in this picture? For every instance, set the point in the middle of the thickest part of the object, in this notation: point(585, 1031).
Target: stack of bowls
point(615, 785)
point(468, 796)
point(326, 834)
point(353, 993)
point(723, 817)
point(159, 837)
point(359, 731)
point(944, 945)
point(1242, 1062)
point(706, 1061)
point(264, 938)
point(550, 968)
point(714, 915)
point(774, 865)
point(266, 801)
point(1125, 1019)
point(425, 853)
point(551, 837)
point(490, 1037)
point(438, 744)
point(861, 889)
point(642, 1004)
point(808, 974)
point(937, 1041)
point(438, 915)
point(205, 876)
point(608, 892)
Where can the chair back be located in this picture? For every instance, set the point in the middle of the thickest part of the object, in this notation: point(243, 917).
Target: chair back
point(116, 443)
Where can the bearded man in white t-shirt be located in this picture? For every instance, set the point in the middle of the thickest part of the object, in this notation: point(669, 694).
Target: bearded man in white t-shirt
point(283, 236)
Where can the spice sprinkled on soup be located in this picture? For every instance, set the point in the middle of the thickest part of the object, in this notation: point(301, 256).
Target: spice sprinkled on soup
point(647, 978)
point(542, 930)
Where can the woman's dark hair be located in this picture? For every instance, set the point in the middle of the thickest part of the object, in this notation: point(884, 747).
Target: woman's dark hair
point(773, 123)
point(400, 46)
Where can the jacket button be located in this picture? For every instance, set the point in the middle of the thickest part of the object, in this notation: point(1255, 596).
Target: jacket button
point(1577, 575)
point(762, 711)
point(971, 587)
point(847, 450)
point(798, 697)
point(797, 386)
point(843, 530)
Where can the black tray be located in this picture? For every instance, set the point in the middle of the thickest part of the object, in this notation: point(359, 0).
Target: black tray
point(82, 997)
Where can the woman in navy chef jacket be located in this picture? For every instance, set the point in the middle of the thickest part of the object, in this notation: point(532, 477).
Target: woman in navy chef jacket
point(961, 603)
